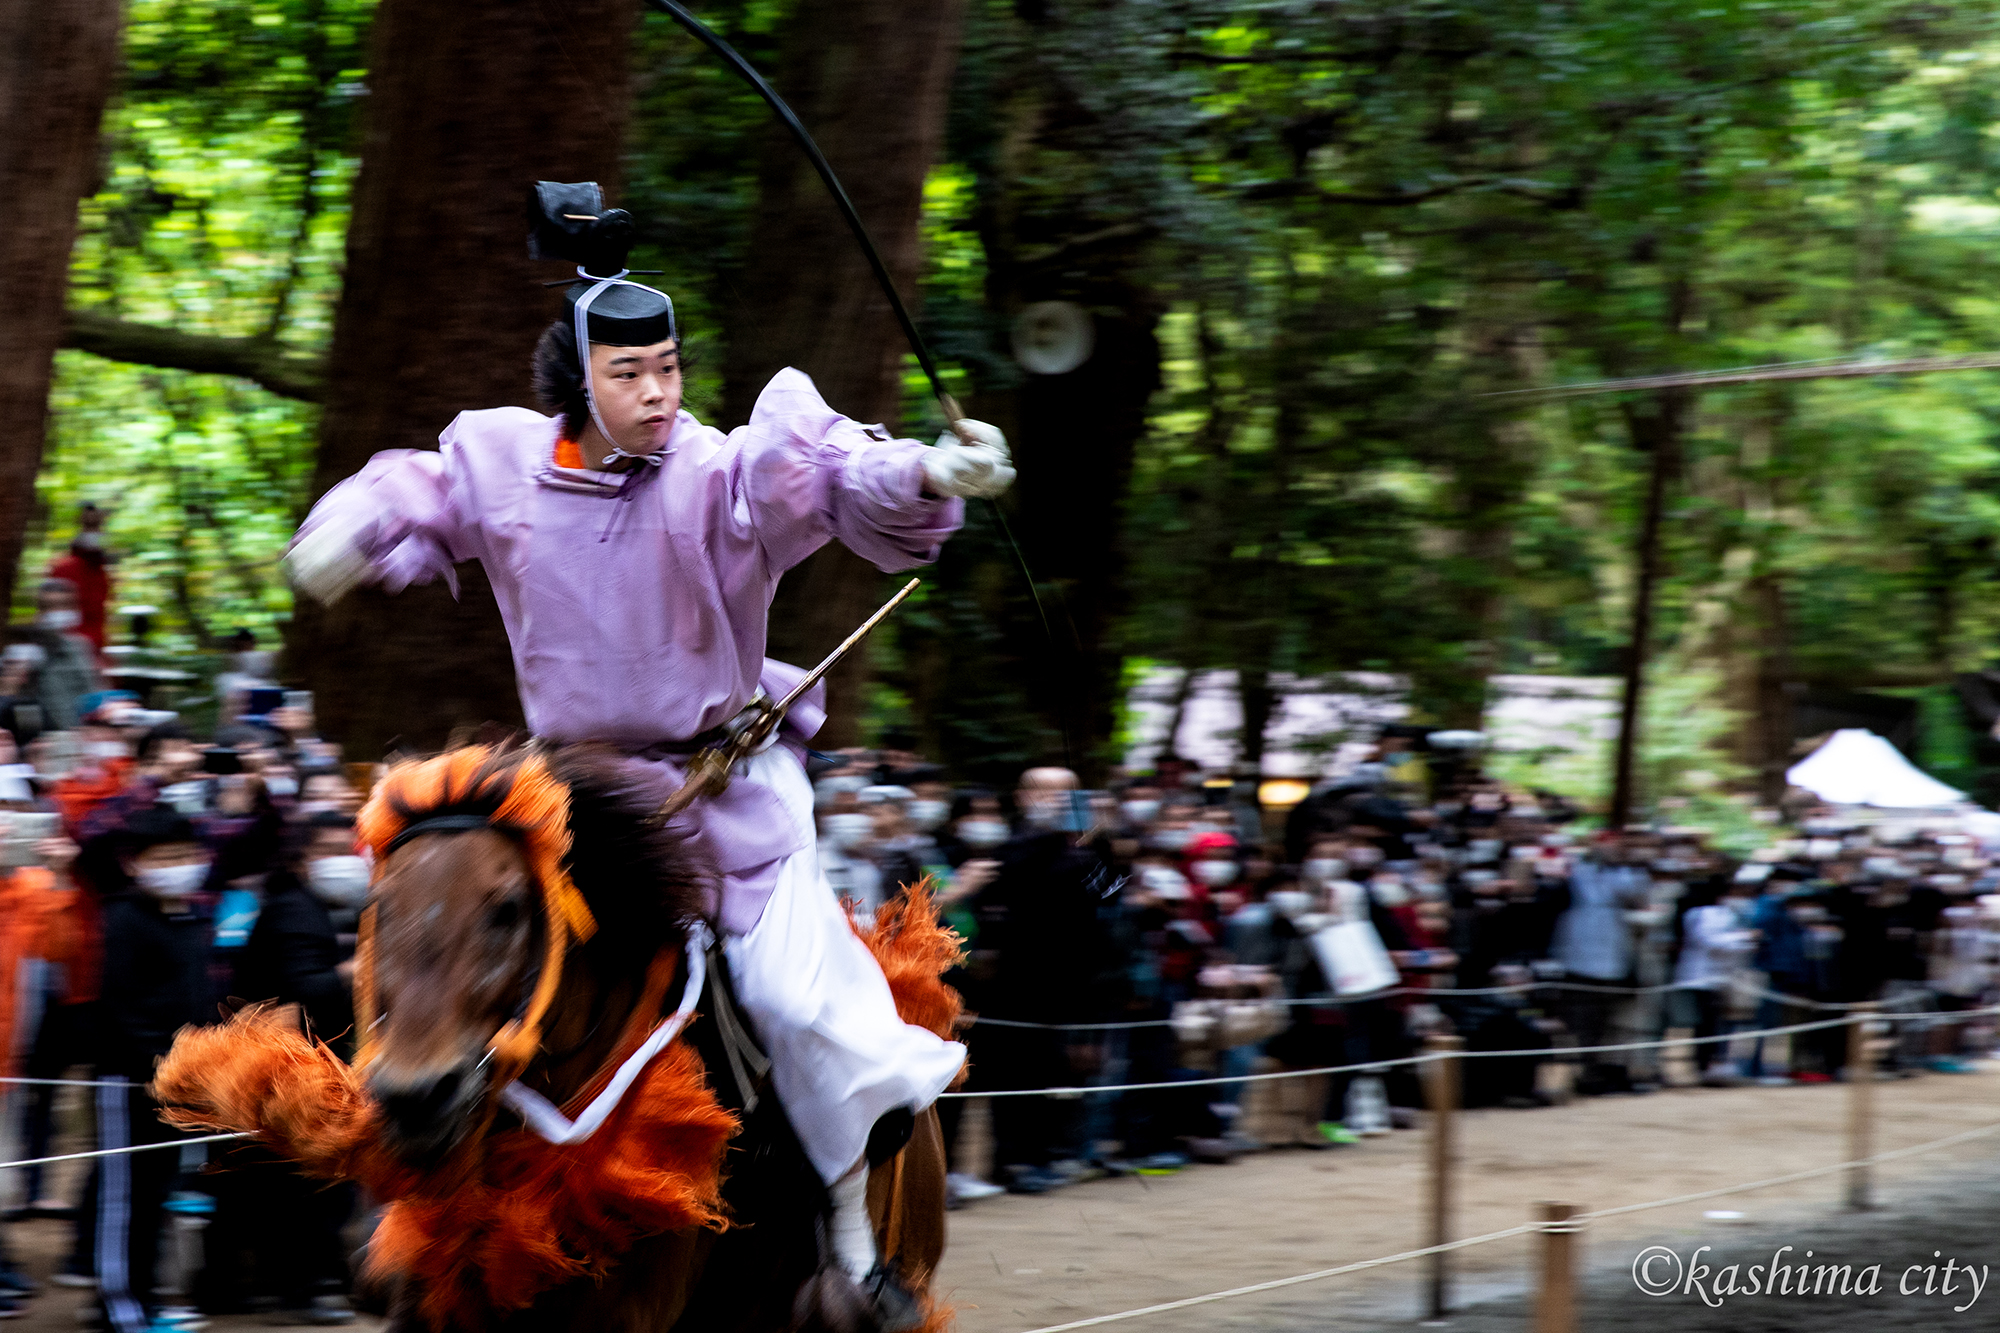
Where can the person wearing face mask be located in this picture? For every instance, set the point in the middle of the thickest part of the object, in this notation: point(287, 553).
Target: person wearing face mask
point(973, 828)
point(902, 853)
point(1212, 863)
point(156, 981)
point(1138, 808)
point(1038, 956)
point(167, 759)
point(86, 566)
point(929, 803)
point(300, 953)
point(927, 813)
point(68, 670)
point(97, 794)
point(847, 855)
point(296, 954)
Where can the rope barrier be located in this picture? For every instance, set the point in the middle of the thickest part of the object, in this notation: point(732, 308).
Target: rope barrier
point(1542, 1053)
point(1277, 1283)
point(1342, 1269)
point(120, 1152)
point(1510, 1232)
point(1449, 992)
point(1791, 1177)
point(66, 1082)
point(1370, 1066)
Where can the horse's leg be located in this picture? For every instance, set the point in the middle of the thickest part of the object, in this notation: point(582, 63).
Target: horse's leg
point(404, 1315)
point(906, 1203)
point(644, 1292)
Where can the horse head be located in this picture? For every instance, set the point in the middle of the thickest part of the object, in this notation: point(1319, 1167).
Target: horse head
point(521, 893)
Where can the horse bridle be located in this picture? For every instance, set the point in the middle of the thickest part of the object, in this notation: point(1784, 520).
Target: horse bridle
point(515, 1045)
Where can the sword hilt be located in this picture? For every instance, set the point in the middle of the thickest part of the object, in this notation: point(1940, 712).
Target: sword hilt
point(708, 771)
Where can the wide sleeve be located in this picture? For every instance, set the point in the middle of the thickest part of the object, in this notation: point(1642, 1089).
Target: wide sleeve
point(400, 515)
point(811, 475)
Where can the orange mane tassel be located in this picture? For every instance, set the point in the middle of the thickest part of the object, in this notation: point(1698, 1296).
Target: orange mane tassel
point(531, 1216)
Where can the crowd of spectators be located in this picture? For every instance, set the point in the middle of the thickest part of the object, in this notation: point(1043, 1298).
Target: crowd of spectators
point(1168, 931)
point(149, 879)
point(1172, 930)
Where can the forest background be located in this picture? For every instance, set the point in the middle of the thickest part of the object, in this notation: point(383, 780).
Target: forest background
point(1323, 248)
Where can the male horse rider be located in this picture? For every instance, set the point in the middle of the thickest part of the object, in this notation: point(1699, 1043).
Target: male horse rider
point(634, 553)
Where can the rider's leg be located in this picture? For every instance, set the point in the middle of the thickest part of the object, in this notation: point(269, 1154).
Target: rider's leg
point(852, 1235)
point(841, 1058)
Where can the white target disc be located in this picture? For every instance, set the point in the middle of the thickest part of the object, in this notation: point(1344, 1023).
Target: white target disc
point(1053, 337)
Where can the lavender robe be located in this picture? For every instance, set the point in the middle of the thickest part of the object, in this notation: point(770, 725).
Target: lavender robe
point(636, 605)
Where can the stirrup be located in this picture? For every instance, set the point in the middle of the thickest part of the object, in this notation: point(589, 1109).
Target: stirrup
point(896, 1309)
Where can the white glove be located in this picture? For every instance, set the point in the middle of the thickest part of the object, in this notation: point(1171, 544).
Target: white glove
point(332, 560)
point(980, 470)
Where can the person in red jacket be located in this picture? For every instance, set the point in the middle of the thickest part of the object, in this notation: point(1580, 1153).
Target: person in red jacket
point(88, 567)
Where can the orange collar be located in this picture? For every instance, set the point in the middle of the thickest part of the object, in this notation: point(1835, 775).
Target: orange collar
point(568, 454)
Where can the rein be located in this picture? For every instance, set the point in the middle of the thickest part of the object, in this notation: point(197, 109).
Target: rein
point(592, 1104)
point(518, 1042)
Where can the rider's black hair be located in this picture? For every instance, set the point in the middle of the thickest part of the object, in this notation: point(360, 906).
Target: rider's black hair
point(558, 376)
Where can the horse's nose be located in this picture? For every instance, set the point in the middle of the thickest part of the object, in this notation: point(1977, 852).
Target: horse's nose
point(425, 1109)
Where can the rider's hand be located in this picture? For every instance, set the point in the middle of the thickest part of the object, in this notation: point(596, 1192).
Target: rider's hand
point(57, 853)
point(331, 560)
point(980, 470)
point(973, 876)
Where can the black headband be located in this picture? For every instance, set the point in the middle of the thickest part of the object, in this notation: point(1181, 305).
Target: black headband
point(438, 824)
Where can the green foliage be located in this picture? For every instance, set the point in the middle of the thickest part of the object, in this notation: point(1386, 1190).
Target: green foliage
point(1352, 230)
point(222, 210)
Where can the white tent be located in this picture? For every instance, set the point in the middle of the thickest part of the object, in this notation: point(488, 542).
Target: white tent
point(1857, 767)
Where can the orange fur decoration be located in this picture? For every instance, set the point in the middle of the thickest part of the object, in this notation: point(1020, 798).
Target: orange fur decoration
point(514, 790)
point(527, 1216)
point(514, 1216)
point(535, 805)
point(915, 951)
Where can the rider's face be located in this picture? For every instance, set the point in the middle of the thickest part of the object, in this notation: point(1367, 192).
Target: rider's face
point(638, 392)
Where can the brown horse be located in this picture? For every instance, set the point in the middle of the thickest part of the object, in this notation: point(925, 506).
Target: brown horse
point(529, 926)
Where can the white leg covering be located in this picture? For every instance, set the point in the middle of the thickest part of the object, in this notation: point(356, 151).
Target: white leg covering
point(852, 1234)
point(840, 1055)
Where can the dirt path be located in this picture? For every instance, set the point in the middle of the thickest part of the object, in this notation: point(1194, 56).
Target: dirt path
point(1016, 1264)
point(1955, 1219)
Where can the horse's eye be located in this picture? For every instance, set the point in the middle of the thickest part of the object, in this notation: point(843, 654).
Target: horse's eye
point(503, 915)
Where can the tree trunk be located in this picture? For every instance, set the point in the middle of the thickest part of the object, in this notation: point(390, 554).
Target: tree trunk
point(468, 104)
point(1075, 438)
point(58, 62)
point(1260, 705)
point(870, 81)
point(1657, 433)
point(1494, 449)
point(1772, 726)
point(1074, 434)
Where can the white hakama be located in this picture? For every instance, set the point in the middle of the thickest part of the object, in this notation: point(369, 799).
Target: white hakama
point(840, 1056)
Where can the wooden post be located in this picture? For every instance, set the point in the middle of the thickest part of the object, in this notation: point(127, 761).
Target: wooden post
point(1441, 1085)
point(1555, 1303)
point(1860, 1104)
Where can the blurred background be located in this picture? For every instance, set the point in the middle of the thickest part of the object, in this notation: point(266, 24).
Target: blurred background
point(1442, 638)
point(1256, 290)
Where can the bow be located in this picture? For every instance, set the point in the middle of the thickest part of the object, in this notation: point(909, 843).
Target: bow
point(953, 414)
point(799, 132)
